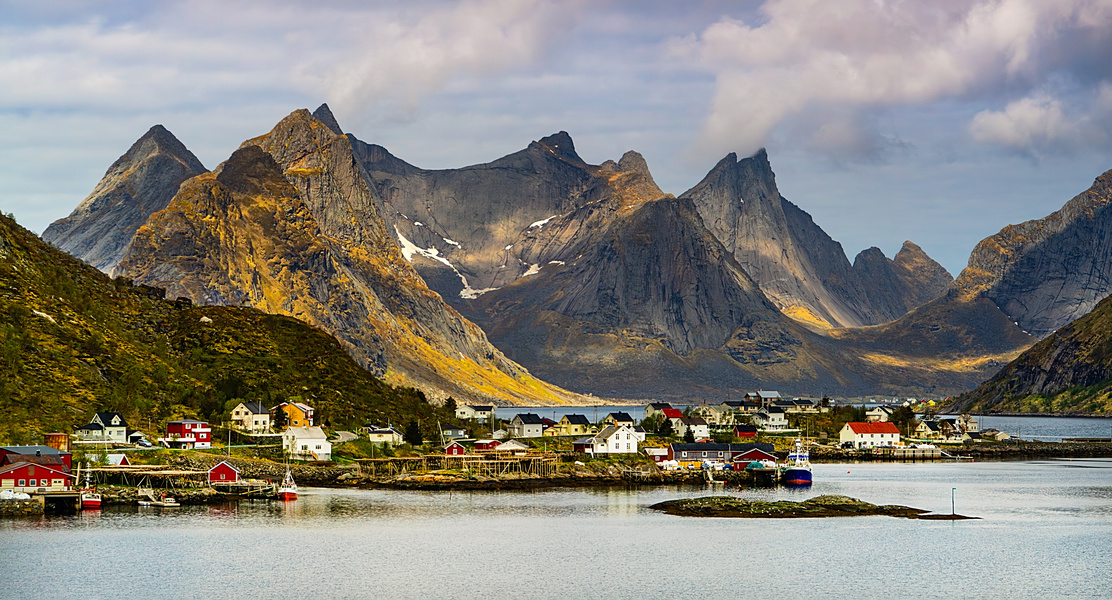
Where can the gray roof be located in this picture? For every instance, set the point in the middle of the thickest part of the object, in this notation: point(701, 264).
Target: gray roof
point(480, 407)
point(529, 419)
point(32, 450)
point(577, 419)
point(621, 417)
point(106, 418)
point(256, 408)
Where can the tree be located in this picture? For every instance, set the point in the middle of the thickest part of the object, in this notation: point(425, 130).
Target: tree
point(413, 434)
point(279, 421)
point(666, 429)
point(689, 435)
point(450, 405)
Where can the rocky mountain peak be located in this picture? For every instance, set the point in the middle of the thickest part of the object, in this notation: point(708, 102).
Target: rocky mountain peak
point(139, 183)
point(324, 115)
point(247, 170)
point(561, 145)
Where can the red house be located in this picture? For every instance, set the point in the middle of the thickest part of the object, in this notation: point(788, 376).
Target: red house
point(187, 433)
point(223, 473)
point(745, 431)
point(742, 460)
point(672, 413)
point(30, 477)
point(487, 444)
point(41, 455)
point(454, 449)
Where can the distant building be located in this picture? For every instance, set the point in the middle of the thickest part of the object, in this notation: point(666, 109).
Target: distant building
point(763, 397)
point(526, 425)
point(251, 416)
point(187, 434)
point(104, 427)
point(870, 435)
point(745, 431)
point(452, 432)
point(30, 477)
point(298, 414)
point(570, 425)
point(481, 413)
point(697, 425)
point(656, 408)
point(613, 439)
point(384, 435)
point(618, 418)
point(455, 449)
point(772, 418)
point(487, 444)
point(880, 414)
point(693, 455)
point(307, 443)
point(223, 472)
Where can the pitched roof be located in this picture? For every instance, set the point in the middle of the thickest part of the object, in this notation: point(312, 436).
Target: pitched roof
point(768, 394)
point(21, 464)
point(32, 450)
point(621, 417)
point(91, 427)
point(693, 421)
point(660, 405)
point(877, 427)
point(224, 462)
point(480, 407)
point(106, 419)
point(528, 419)
point(256, 408)
point(577, 419)
point(308, 433)
point(673, 413)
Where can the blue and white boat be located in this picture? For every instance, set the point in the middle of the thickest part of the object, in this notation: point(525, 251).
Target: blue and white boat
point(797, 469)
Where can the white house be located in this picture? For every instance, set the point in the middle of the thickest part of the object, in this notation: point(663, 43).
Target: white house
point(613, 439)
point(526, 425)
point(475, 412)
point(772, 418)
point(105, 427)
point(870, 435)
point(880, 414)
point(307, 443)
point(387, 435)
point(698, 426)
point(251, 416)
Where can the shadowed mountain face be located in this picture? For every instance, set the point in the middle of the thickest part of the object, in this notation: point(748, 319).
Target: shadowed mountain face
point(138, 184)
point(1047, 272)
point(462, 228)
point(799, 267)
point(289, 225)
point(1069, 371)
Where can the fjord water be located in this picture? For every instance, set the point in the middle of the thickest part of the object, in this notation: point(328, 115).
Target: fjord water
point(1045, 532)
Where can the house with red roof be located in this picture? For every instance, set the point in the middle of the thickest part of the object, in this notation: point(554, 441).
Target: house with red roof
point(870, 435)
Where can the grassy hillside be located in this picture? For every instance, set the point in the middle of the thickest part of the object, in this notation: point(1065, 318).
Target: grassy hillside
point(1068, 372)
point(73, 341)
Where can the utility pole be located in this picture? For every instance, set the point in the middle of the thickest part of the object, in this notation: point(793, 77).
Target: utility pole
point(953, 509)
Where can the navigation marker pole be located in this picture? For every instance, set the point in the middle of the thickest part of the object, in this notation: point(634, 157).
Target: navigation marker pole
point(953, 510)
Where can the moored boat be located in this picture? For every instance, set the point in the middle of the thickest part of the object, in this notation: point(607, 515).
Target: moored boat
point(90, 498)
point(797, 469)
point(147, 498)
point(288, 489)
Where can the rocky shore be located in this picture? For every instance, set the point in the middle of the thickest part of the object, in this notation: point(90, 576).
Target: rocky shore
point(818, 507)
point(985, 451)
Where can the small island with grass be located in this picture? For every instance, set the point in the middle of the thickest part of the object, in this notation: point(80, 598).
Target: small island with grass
point(820, 506)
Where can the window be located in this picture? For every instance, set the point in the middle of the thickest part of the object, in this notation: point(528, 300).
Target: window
point(22, 483)
point(34, 482)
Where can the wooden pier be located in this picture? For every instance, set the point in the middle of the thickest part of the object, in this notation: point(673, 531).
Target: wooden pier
point(487, 464)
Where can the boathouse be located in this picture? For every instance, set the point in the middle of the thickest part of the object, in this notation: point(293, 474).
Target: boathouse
point(31, 477)
point(455, 449)
point(223, 472)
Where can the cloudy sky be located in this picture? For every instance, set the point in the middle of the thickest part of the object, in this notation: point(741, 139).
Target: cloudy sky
point(938, 122)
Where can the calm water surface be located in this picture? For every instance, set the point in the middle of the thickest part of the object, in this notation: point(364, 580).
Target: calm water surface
point(1046, 532)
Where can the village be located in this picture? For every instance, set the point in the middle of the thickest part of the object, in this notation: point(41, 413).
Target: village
point(747, 441)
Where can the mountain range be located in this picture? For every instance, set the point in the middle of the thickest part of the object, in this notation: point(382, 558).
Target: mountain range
point(585, 277)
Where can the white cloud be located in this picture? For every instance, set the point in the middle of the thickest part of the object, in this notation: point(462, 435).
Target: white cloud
point(869, 55)
point(1042, 123)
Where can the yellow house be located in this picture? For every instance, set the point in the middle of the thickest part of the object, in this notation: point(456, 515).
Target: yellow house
point(570, 425)
point(297, 414)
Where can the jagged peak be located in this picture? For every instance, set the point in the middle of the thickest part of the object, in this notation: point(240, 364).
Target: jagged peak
point(159, 139)
point(869, 255)
point(324, 115)
point(561, 144)
point(633, 161)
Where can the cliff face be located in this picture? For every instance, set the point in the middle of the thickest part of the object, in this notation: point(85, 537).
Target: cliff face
point(1069, 371)
point(1047, 272)
point(799, 267)
point(138, 184)
point(459, 226)
point(289, 225)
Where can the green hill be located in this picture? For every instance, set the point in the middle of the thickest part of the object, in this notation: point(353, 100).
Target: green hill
point(73, 341)
point(1068, 372)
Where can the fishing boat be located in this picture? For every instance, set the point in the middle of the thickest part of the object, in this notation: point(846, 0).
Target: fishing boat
point(288, 489)
point(797, 469)
point(90, 498)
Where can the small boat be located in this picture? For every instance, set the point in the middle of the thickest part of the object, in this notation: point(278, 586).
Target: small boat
point(90, 498)
point(797, 469)
point(163, 500)
point(288, 489)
